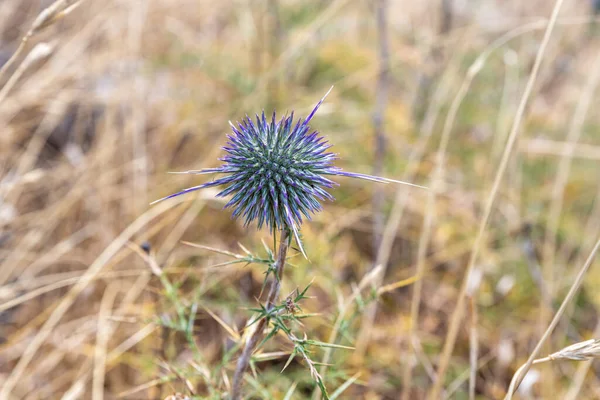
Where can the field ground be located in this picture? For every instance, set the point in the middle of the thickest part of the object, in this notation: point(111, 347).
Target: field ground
point(107, 97)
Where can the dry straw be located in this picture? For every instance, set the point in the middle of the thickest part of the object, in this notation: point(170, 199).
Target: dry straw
point(582, 351)
point(520, 374)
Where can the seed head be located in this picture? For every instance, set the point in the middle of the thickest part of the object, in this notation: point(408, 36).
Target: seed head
point(276, 171)
point(581, 351)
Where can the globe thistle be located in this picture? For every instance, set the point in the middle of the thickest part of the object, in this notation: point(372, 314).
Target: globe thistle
point(276, 172)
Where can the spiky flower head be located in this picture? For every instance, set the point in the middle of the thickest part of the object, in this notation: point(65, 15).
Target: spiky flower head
point(276, 171)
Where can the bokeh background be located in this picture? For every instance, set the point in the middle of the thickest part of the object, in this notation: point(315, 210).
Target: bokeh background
point(106, 97)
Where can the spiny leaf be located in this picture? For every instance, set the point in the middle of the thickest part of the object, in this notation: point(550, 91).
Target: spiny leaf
point(289, 360)
point(323, 344)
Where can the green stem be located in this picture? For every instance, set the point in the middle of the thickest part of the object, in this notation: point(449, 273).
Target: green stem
point(244, 360)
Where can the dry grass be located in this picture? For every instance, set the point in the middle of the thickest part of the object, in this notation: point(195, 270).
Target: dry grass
point(99, 100)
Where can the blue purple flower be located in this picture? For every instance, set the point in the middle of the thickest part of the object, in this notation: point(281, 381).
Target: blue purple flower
point(276, 172)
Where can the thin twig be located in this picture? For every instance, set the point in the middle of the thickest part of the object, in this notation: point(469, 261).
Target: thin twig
point(563, 172)
point(464, 376)
point(39, 52)
point(436, 185)
point(446, 20)
point(520, 374)
point(103, 334)
point(459, 309)
point(592, 230)
point(244, 359)
point(50, 14)
point(401, 200)
point(474, 348)
point(520, 370)
point(379, 117)
point(580, 374)
point(587, 350)
point(421, 255)
point(557, 148)
point(380, 145)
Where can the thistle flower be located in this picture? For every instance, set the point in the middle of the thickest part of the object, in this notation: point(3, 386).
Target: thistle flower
point(276, 172)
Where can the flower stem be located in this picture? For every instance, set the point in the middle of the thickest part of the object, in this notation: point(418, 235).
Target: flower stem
point(275, 287)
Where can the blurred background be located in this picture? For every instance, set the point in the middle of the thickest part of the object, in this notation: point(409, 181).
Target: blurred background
point(99, 100)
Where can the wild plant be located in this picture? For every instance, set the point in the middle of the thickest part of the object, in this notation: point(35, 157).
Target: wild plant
point(276, 173)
